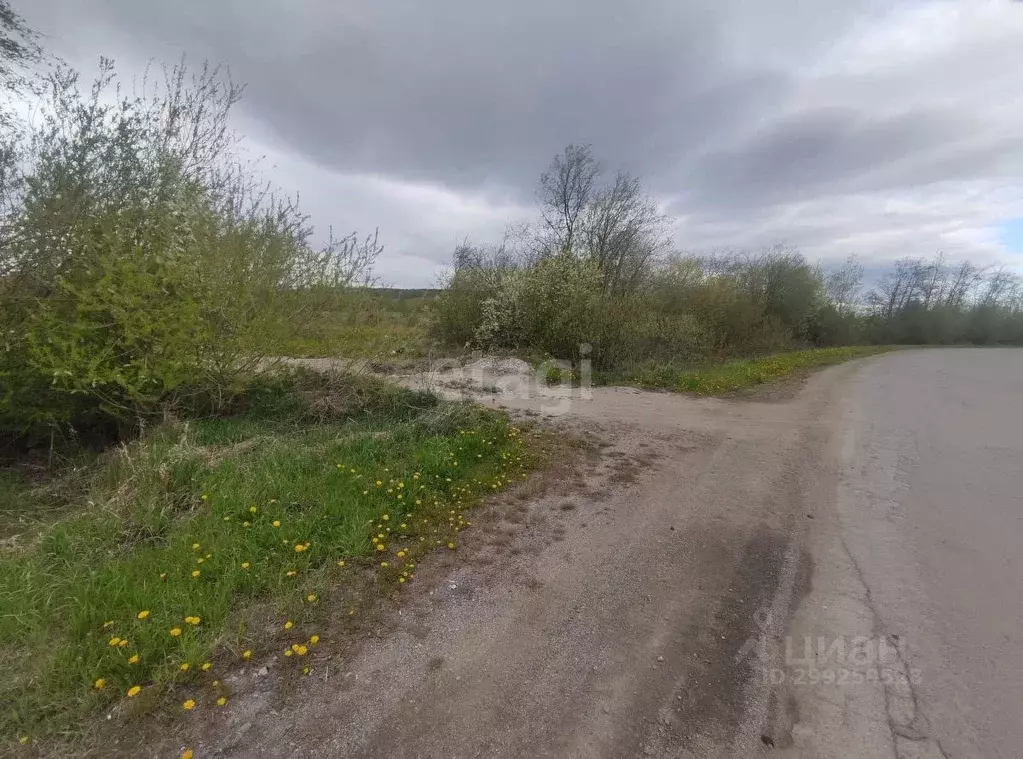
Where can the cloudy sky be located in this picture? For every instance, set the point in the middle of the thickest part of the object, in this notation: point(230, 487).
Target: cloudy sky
point(837, 126)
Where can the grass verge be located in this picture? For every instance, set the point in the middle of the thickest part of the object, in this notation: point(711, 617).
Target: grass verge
point(741, 374)
point(219, 540)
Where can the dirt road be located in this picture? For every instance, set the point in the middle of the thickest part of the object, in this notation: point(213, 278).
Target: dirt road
point(647, 603)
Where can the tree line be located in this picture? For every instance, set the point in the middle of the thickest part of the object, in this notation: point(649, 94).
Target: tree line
point(598, 268)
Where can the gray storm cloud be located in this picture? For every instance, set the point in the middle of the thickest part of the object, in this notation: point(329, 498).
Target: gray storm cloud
point(756, 122)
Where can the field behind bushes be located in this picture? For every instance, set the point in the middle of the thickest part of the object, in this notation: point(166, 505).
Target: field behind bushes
point(369, 323)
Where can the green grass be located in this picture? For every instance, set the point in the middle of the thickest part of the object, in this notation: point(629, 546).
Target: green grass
point(741, 374)
point(206, 497)
point(366, 324)
point(361, 341)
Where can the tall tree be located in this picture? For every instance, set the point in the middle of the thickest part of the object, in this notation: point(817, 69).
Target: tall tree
point(623, 230)
point(566, 189)
point(615, 224)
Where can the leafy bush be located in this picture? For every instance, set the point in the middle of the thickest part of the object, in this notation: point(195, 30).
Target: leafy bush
point(688, 309)
point(141, 263)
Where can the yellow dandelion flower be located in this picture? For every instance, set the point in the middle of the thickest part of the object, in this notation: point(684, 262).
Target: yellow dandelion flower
point(301, 650)
point(381, 547)
point(246, 655)
point(221, 701)
point(123, 642)
point(134, 691)
point(216, 683)
point(341, 563)
point(133, 659)
point(108, 624)
point(246, 524)
point(385, 517)
point(200, 560)
point(189, 705)
point(305, 670)
point(299, 547)
point(451, 546)
point(314, 640)
point(163, 576)
point(206, 666)
point(195, 546)
point(276, 523)
point(401, 554)
point(311, 598)
point(253, 509)
point(379, 483)
point(292, 573)
point(142, 614)
point(113, 641)
point(384, 564)
point(289, 652)
point(401, 579)
point(187, 754)
point(245, 565)
point(193, 620)
point(204, 497)
point(288, 625)
point(196, 573)
point(175, 632)
point(184, 666)
point(100, 684)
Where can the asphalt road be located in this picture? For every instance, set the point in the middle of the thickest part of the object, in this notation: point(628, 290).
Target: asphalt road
point(920, 552)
